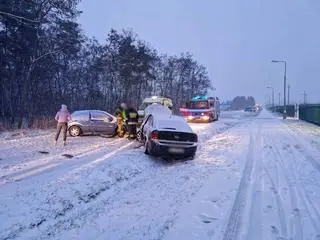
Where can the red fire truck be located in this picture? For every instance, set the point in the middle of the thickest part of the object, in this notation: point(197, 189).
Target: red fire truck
point(201, 109)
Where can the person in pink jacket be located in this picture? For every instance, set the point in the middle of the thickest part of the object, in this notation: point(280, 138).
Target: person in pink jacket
point(62, 117)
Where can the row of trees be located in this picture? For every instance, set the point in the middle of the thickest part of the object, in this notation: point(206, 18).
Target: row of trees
point(241, 102)
point(46, 60)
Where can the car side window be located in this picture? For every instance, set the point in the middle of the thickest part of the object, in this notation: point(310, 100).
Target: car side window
point(80, 116)
point(99, 116)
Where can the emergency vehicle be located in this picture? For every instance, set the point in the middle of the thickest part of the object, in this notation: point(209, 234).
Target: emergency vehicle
point(201, 109)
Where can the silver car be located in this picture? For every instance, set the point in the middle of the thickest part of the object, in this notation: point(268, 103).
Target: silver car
point(92, 121)
point(168, 136)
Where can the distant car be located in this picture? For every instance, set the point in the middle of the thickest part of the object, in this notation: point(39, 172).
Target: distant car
point(92, 121)
point(250, 109)
point(168, 135)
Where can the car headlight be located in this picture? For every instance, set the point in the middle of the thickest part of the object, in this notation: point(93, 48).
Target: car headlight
point(190, 117)
point(205, 117)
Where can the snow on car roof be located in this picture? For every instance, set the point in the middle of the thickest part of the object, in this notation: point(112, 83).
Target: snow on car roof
point(157, 109)
point(156, 99)
point(165, 120)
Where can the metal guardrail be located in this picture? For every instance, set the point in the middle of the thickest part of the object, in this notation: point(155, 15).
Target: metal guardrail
point(307, 112)
point(310, 113)
point(291, 110)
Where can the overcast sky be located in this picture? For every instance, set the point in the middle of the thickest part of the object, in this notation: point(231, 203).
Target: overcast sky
point(236, 40)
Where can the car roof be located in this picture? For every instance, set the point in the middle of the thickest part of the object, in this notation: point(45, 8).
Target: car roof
point(157, 109)
point(87, 112)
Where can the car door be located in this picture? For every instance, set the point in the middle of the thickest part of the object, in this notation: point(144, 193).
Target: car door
point(101, 122)
point(147, 127)
point(85, 121)
point(82, 119)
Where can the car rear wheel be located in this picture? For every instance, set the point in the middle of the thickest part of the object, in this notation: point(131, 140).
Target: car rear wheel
point(74, 131)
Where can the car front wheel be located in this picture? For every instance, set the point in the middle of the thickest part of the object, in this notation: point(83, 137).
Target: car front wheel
point(74, 131)
point(139, 136)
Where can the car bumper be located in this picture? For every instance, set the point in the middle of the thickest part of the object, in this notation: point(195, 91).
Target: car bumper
point(159, 149)
point(198, 120)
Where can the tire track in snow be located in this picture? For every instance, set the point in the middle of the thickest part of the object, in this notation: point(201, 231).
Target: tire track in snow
point(280, 165)
point(303, 195)
point(280, 208)
point(55, 158)
point(237, 211)
point(255, 214)
point(79, 161)
point(309, 158)
point(57, 208)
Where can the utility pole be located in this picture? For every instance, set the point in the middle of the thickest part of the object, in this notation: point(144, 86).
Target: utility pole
point(304, 97)
point(279, 98)
point(285, 91)
point(284, 87)
point(289, 94)
point(272, 89)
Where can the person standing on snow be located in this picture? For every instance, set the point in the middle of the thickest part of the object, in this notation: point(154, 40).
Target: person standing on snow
point(132, 122)
point(62, 117)
point(121, 119)
point(120, 129)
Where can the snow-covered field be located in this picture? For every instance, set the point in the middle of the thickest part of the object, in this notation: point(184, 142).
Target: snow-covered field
point(254, 177)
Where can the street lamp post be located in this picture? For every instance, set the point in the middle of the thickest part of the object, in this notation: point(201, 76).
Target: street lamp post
point(288, 94)
point(284, 87)
point(272, 97)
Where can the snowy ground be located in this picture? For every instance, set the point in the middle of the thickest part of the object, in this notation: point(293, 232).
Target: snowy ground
point(254, 177)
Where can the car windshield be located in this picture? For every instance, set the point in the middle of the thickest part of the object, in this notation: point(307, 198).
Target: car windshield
point(199, 105)
point(167, 124)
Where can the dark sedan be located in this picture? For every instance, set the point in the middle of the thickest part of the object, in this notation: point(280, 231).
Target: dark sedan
point(165, 135)
point(92, 121)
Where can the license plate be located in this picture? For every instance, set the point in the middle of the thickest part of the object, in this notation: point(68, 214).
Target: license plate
point(176, 150)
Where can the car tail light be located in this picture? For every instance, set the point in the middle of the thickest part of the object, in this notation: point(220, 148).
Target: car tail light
point(154, 135)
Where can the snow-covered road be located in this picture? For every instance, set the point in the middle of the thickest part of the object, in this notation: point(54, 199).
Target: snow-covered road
point(254, 177)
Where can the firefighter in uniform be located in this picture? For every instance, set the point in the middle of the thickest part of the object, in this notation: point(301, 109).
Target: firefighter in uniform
point(132, 122)
point(121, 119)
